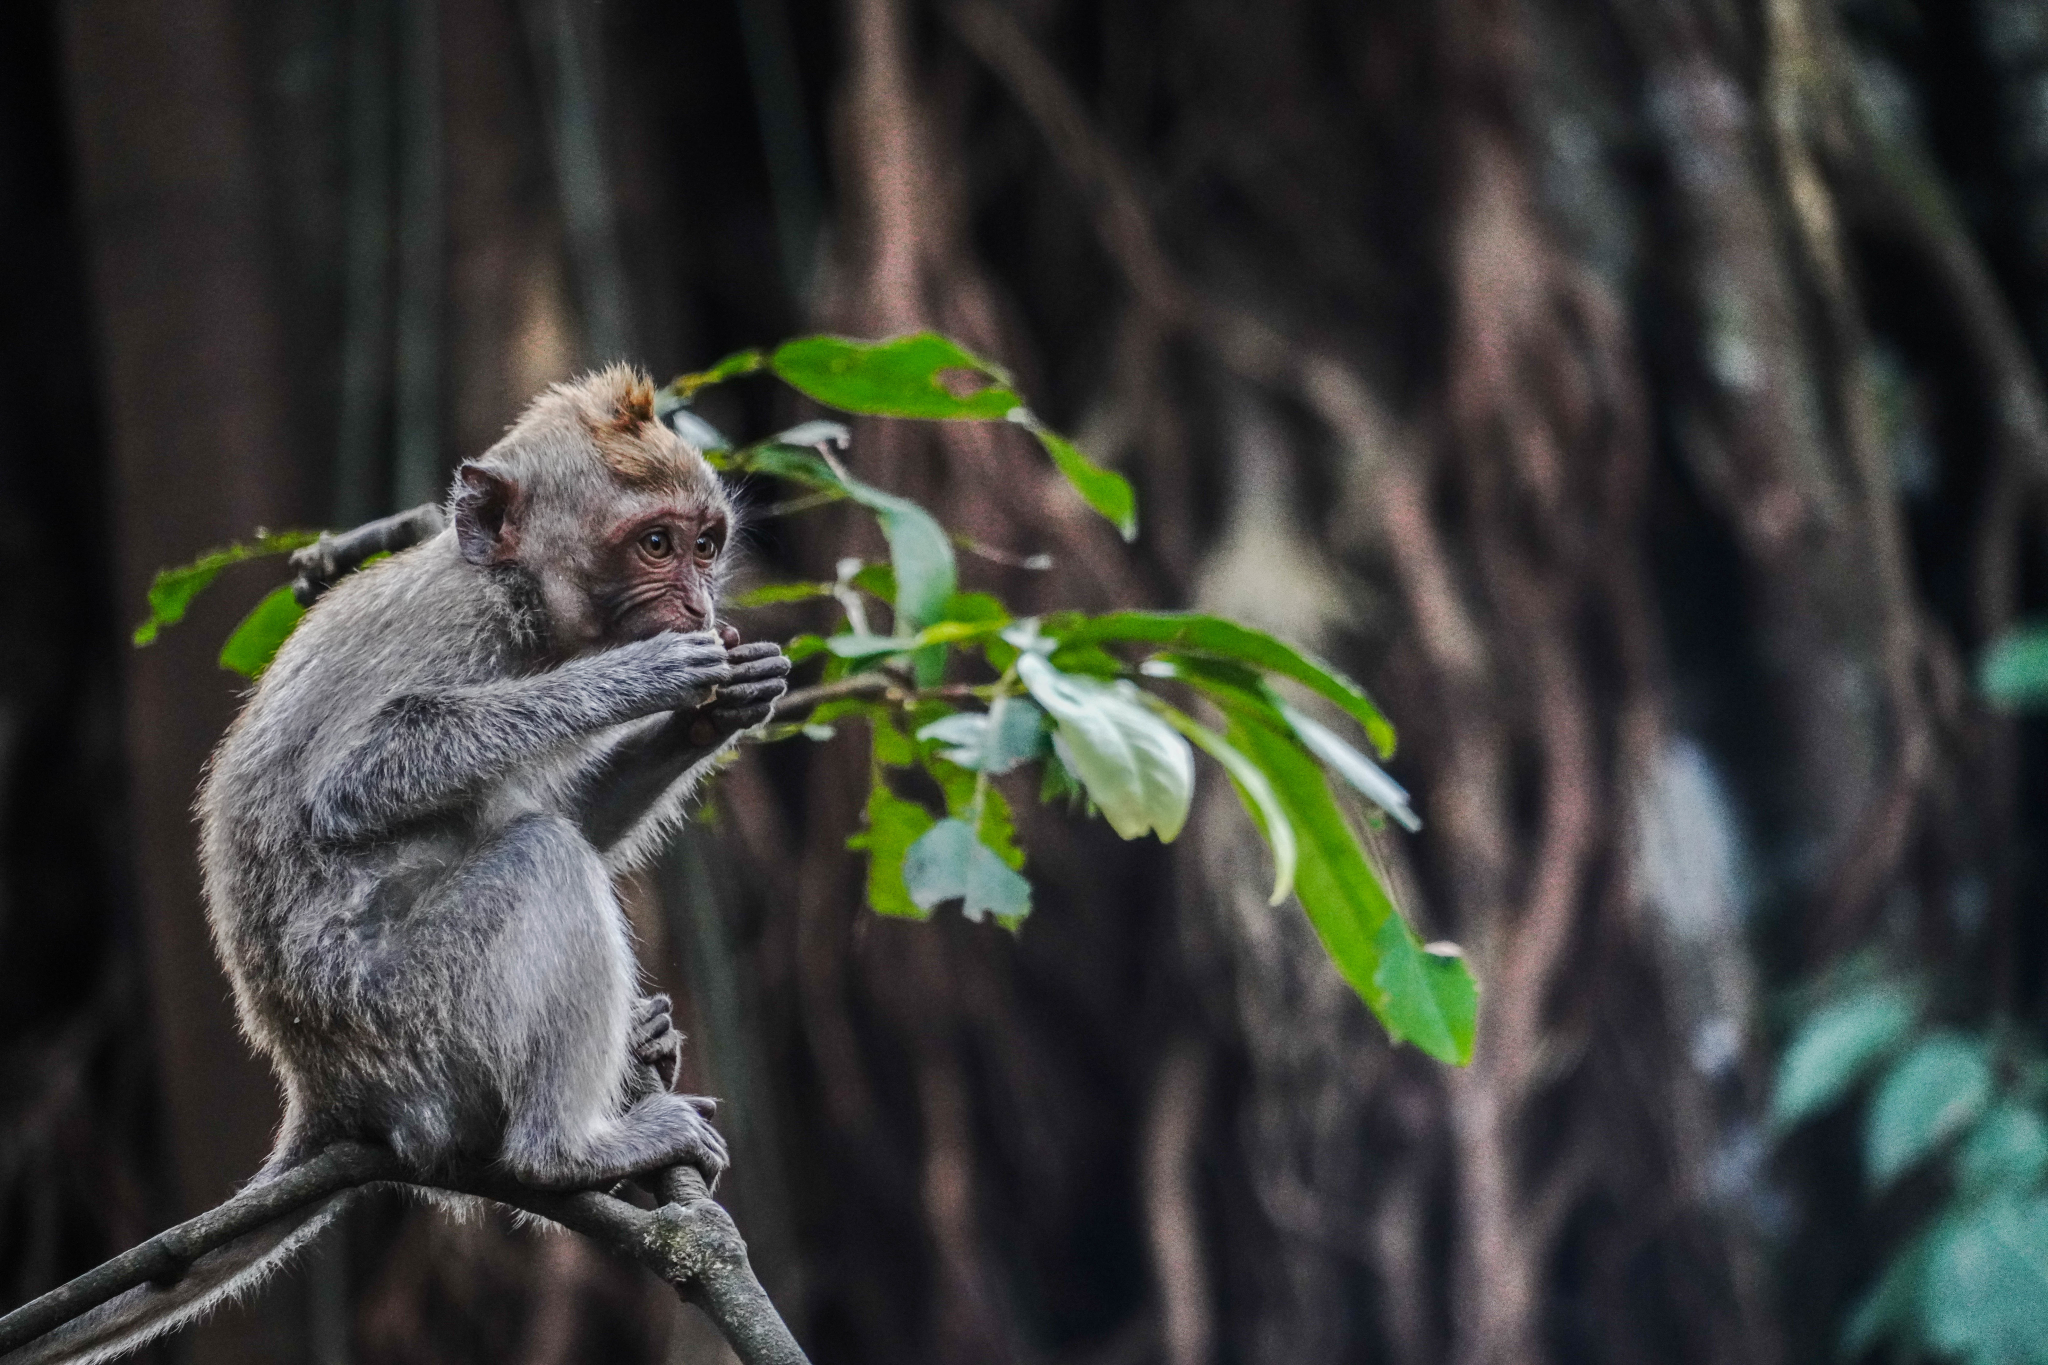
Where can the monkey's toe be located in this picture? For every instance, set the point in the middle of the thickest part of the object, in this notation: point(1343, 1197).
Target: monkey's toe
point(688, 1135)
point(654, 1041)
point(650, 1008)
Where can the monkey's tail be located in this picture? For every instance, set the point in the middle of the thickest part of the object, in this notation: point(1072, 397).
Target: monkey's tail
point(142, 1314)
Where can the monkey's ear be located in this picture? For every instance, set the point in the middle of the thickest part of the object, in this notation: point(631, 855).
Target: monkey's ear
point(484, 502)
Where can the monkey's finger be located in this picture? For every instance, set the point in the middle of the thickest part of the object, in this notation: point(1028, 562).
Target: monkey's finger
point(729, 635)
point(705, 1105)
point(648, 1006)
point(748, 695)
point(653, 1030)
point(748, 670)
point(748, 653)
point(735, 721)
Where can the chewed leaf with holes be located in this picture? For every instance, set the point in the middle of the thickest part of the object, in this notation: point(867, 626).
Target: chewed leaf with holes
point(922, 375)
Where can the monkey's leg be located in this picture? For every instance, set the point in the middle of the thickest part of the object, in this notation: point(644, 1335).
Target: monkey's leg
point(562, 966)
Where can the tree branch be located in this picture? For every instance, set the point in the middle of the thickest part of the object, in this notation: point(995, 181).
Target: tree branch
point(690, 1241)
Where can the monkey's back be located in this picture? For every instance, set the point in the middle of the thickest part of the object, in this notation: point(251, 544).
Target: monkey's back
point(291, 908)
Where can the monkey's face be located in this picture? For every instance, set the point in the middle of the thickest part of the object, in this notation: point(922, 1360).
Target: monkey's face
point(659, 569)
point(611, 563)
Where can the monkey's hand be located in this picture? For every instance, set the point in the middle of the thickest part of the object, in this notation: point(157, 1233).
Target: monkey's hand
point(655, 1044)
point(760, 674)
point(687, 671)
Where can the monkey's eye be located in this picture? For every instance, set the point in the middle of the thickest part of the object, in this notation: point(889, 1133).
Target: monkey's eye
point(706, 546)
point(658, 543)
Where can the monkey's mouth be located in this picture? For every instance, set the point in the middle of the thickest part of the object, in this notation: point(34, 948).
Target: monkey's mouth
point(650, 613)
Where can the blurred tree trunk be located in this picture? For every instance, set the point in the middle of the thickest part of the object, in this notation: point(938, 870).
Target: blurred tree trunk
point(174, 215)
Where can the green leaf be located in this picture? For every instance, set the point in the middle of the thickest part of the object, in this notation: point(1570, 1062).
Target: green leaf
point(1892, 1307)
point(1931, 1094)
point(1985, 1287)
point(975, 744)
point(921, 554)
point(1136, 769)
point(772, 594)
point(2007, 1150)
point(998, 828)
point(1241, 689)
point(262, 633)
point(929, 376)
point(803, 647)
point(686, 387)
point(2014, 672)
point(1354, 767)
point(893, 826)
point(1252, 789)
point(1055, 783)
point(953, 632)
point(949, 863)
point(879, 582)
point(1199, 634)
point(904, 377)
point(856, 646)
point(695, 431)
point(1835, 1046)
point(1431, 995)
point(1104, 490)
point(892, 747)
point(1423, 997)
point(172, 591)
point(977, 608)
point(1093, 660)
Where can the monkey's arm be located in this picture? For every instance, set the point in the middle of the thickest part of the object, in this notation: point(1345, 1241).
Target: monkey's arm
point(641, 780)
point(428, 748)
point(321, 564)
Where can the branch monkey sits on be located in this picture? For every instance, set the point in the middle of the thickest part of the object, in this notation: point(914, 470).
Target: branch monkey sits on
point(409, 834)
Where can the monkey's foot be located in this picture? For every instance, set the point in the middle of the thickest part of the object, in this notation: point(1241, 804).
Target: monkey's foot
point(695, 1141)
point(657, 1132)
point(655, 1041)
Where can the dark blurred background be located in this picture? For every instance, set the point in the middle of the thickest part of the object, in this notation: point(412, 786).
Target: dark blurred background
point(1642, 396)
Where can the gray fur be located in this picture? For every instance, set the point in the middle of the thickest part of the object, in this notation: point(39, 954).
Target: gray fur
point(410, 832)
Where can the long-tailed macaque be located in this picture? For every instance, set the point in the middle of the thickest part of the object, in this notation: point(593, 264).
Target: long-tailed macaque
point(409, 834)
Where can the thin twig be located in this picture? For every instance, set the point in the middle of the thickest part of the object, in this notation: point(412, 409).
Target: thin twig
point(343, 1166)
point(877, 684)
point(690, 1241)
point(859, 685)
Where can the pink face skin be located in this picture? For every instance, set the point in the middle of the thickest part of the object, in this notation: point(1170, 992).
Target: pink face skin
point(659, 571)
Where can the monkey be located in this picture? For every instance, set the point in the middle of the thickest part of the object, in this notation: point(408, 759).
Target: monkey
point(409, 834)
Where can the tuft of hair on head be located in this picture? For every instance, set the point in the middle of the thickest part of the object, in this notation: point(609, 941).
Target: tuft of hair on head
point(615, 405)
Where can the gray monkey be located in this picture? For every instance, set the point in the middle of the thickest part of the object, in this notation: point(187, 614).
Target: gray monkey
point(409, 834)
